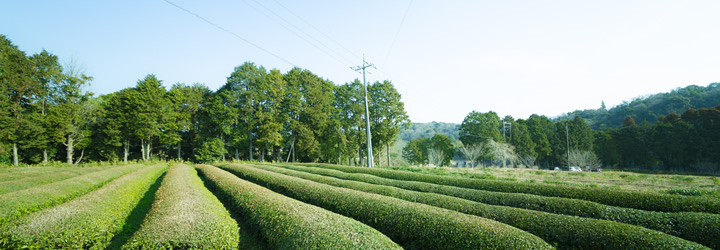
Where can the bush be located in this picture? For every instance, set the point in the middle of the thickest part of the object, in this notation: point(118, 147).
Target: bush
point(286, 223)
point(31, 181)
point(410, 224)
point(185, 215)
point(631, 199)
point(15, 173)
point(565, 231)
point(90, 221)
point(16, 204)
point(698, 227)
point(210, 151)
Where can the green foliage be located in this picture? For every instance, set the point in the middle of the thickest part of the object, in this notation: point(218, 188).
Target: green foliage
point(630, 199)
point(412, 225)
point(288, 223)
point(185, 215)
point(683, 225)
point(90, 221)
point(480, 127)
point(212, 150)
point(566, 231)
point(22, 202)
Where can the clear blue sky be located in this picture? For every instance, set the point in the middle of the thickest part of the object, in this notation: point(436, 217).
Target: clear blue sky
point(447, 59)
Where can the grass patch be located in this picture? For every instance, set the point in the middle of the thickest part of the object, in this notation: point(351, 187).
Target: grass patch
point(185, 215)
point(567, 231)
point(570, 183)
point(410, 224)
point(90, 221)
point(22, 202)
point(286, 223)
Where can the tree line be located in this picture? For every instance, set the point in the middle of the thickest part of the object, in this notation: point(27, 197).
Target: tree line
point(257, 115)
point(687, 142)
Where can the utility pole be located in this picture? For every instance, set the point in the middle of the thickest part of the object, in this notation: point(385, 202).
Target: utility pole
point(370, 162)
point(567, 141)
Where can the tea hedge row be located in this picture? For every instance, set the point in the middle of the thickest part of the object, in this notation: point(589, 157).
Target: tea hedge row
point(37, 180)
point(89, 221)
point(19, 203)
point(9, 174)
point(565, 231)
point(185, 215)
point(631, 199)
point(410, 224)
point(285, 223)
point(698, 227)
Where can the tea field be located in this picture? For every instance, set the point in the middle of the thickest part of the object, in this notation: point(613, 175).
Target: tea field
point(270, 206)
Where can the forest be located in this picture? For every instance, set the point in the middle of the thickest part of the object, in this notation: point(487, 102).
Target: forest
point(686, 142)
point(46, 115)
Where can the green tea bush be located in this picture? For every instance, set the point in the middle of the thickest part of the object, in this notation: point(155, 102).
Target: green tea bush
point(410, 224)
point(89, 221)
point(22, 202)
point(28, 182)
point(285, 223)
point(631, 199)
point(9, 174)
point(185, 215)
point(565, 231)
point(697, 227)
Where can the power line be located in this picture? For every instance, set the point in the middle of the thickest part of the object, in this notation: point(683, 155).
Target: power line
point(230, 32)
point(396, 34)
point(291, 30)
point(316, 29)
point(303, 32)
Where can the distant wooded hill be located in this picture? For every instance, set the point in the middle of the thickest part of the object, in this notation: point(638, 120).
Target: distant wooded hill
point(642, 109)
point(649, 108)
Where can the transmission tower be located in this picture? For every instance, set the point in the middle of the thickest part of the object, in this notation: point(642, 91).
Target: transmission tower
point(370, 161)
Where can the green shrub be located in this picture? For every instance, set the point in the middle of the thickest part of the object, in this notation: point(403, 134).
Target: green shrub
point(698, 227)
point(210, 151)
point(35, 180)
point(89, 221)
point(410, 224)
point(185, 215)
point(687, 192)
point(565, 231)
point(286, 223)
point(650, 201)
point(22, 202)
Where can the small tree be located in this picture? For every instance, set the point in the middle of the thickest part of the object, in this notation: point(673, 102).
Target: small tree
point(211, 150)
point(472, 152)
point(503, 152)
point(436, 156)
point(583, 158)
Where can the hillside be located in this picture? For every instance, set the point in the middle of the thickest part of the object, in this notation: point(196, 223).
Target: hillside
point(649, 108)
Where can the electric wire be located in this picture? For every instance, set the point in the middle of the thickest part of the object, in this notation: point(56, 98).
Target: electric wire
point(231, 33)
point(318, 30)
point(294, 32)
point(303, 32)
point(396, 34)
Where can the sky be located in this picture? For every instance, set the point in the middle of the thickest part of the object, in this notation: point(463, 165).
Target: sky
point(446, 58)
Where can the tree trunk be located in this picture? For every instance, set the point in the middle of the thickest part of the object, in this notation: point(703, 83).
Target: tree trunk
point(250, 149)
point(69, 146)
point(262, 155)
point(45, 155)
point(237, 154)
point(126, 149)
point(82, 153)
point(179, 154)
point(142, 149)
point(387, 151)
point(15, 154)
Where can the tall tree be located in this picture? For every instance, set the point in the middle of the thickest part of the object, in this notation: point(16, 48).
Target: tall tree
point(71, 114)
point(480, 127)
point(388, 116)
point(48, 73)
point(151, 104)
point(181, 123)
point(18, 92)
